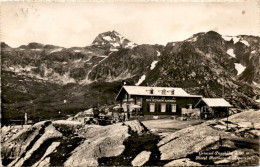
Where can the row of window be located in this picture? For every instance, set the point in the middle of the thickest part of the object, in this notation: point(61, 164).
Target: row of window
point(163, 107)
point(163, 91)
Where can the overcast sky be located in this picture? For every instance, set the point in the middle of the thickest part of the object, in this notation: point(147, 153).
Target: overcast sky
point(77, 24)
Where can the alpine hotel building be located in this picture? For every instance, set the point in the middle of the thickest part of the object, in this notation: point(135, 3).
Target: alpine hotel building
point(155, 100)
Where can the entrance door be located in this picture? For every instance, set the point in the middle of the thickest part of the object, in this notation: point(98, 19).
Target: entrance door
point(174, 108)
point(152, 107)
point(163, 107)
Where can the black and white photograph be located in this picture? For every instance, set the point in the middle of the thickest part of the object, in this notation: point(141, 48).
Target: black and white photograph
point(130, 83)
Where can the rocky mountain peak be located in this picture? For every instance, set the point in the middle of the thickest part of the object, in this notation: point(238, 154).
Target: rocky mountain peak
point(113, 41)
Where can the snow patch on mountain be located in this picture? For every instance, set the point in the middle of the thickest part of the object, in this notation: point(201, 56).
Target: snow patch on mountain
point(56, 50)
point(231, 53)
point(257, 85)
point(158, 53)
point(20, 69)
point(77, 51)
point(245, 42)
point(228, 38)
point(108, 38)
point(36, 49)
point(130, 45)
point(240, 68)
point(115, 44)
point(77, 61)
point(253, 51)
point(153, 64)
point(192, 39)
point(141, 80)
point(236, 39)
point(113, 50)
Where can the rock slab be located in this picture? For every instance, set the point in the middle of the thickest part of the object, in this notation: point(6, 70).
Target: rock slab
point(141, 158)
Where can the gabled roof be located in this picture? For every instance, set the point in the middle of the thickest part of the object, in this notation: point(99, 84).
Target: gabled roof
point(215, 102)
point(157, 91)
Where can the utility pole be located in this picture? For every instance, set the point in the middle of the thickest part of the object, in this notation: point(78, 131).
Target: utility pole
point(232, 92)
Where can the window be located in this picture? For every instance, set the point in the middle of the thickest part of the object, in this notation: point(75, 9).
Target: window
point(151, 91)
point(152, 107)
point(172, 92)
point(173, 107)
point(163, 107)
point(163, 91)
point(139, 103)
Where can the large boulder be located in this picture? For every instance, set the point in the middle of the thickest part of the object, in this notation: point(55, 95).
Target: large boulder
point(18, 143)
point(188, 141)
point(102, 141)
point(50, 133)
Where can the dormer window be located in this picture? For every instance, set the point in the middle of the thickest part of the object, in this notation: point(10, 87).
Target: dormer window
point(164, 92)
point(151, 91)
point(172, 92)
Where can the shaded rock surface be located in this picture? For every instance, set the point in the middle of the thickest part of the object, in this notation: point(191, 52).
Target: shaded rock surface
point(44, 160)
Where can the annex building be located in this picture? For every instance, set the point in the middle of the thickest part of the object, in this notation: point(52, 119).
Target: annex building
point(155, 100)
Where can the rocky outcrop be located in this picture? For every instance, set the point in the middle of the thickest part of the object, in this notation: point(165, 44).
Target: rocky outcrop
point(53, 143)
point(210, 144)
point(46, 161)
point(19, 143)
point(50, 133)
point(100, 142)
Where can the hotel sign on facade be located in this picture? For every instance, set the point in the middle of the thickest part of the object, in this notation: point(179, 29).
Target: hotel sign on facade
point(161, 100)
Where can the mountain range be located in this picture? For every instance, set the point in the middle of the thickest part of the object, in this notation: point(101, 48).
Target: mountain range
point(45, 79)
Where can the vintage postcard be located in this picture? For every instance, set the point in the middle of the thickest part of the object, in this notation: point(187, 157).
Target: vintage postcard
point(130, 83)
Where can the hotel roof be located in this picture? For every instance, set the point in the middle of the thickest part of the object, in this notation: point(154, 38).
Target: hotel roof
point(157, 91)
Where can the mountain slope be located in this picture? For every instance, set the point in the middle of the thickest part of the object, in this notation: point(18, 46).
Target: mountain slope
point(44, 79)
point(126, 63)
point(202, 66)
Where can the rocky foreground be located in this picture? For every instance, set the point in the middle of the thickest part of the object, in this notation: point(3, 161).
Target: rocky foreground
point(68, 143)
